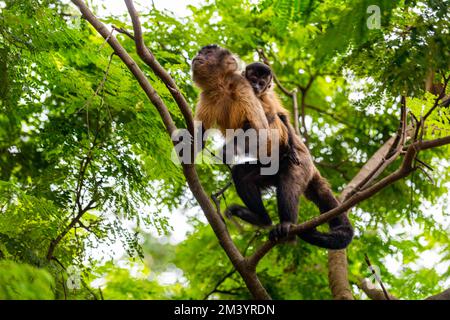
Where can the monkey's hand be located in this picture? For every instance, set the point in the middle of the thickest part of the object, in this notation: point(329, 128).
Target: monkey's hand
point(281, 231)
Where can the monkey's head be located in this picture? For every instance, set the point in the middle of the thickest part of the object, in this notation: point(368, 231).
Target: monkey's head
point(210, 64)
point(260, 77)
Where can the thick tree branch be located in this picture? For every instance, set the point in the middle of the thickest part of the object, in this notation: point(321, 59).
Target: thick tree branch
point(376, 294)
point(245, 266)
point(405, 169)
point(337, 259)
point(338, 275)
point(373, 292)
point(445, 295)
point(214, 219)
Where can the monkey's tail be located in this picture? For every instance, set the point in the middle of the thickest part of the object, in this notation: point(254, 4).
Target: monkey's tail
point(341, 230)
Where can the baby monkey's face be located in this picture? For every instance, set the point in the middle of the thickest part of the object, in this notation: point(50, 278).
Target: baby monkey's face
point(259, 76)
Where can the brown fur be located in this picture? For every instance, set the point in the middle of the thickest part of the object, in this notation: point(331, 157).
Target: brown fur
point(228, 101)
point(272, 108)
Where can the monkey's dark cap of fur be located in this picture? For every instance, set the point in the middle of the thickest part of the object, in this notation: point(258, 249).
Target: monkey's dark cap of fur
point(258, 65)
point(209, 46)
point(259, 68)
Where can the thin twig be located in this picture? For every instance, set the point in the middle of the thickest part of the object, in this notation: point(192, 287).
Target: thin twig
point(222, 280)
point(377, 277)
point(438, 98)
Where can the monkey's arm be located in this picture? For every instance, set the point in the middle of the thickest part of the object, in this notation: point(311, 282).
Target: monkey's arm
point(256, 116)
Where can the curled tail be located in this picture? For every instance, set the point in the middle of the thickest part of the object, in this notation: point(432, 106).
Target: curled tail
point(341, 230)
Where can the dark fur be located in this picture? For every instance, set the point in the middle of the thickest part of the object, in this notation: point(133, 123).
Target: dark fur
point(297, 175)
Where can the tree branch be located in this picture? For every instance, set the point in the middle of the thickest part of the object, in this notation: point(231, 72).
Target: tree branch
point(374, 293)
point(377, 294)
point(222, 280)
point(249, 276)
point(295, 107)
point(438, 98)
point(405, 169)
point(445, 295)
point(148, 57)
point(377, 278)
point(245, 266)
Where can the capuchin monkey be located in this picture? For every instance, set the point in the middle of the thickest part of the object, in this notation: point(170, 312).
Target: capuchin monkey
point(231, 100)
point(260, 77)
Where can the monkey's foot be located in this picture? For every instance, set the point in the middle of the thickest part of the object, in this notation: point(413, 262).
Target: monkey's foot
point(280, 232)
point(247, 215)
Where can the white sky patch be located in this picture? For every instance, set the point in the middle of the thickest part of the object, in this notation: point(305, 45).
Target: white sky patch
point(117, 7)
point(172, 276)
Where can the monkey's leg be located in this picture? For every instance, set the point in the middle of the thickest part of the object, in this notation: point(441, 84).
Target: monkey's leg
point(341, 230)
point(246, 179)
point(289, 189)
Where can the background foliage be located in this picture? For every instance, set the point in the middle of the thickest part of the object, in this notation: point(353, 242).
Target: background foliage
point(83, 153)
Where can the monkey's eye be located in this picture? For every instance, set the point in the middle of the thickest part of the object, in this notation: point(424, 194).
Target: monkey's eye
point(262, 83)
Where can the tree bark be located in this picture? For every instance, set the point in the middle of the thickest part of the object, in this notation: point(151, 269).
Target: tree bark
point(445, 295)
point(249, 275)
point(247, 266)
point(337, 259)
point(373, 292)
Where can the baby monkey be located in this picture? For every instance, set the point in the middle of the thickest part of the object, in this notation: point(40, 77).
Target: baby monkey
point(297, 175)
point(260, 77)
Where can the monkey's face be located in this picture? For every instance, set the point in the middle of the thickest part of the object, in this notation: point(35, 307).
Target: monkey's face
point(259, 84)
point(210, 63)
point(260, 77)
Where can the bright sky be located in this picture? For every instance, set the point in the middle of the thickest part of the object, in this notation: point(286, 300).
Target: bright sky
point(117, 7)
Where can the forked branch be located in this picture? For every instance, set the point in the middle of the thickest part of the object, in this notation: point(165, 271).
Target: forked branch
point(245, 266)
point(405, 169)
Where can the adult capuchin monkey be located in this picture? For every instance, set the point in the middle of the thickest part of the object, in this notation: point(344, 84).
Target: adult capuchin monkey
point(228, 101)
